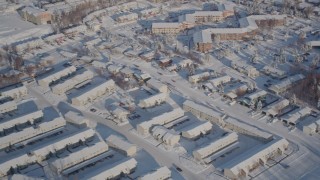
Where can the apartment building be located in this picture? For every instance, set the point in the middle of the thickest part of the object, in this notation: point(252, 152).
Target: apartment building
point(215, 146)
point(22, 120)
point(31, 132)
point(59, 146)
point(242, 128)
point(114, 171)
point(127, 17)
point(166, 28)
point(47, 81)
point(203, 112)
point(220, 80)
point(198, 130)
point(198, 77)
point(8, 107)
point(98, 91)
point(14, 164)
point(248, 28)
point(15, 93)
point(285, 84)
point(144, 127)
point(296, 116)
point(79, 157)
point(36, 16)
point(245, 68)
point(72, 82)
point(121, 145)
point(159, 174)
point(241, 166)
point(153, 100)
point(149, 12)
point(162, 134)
point(157, 86)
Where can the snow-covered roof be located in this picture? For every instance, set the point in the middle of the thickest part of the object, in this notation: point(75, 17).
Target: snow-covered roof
point(124, 166)
point(203, 109)
point(275, 107)
point(162, 119)
point(58, 75)
point(195, 131)
point(14, 163)
point(15, 92)
point(7, 106)
point(32, 10)
point(117, 142)
point(314, 43)
point(160, 173)
point(254, 154)
point(80, 156)
point(286, 83)
point(94, 92)
point(30, 132)
point(21, 120)
point(166, 25)
point(247, 129)
point(58, 145)
point(296, 116)
point(72, 82)
point(247, 24)
point(216, 145)
point(256, 94)
point(219, 80)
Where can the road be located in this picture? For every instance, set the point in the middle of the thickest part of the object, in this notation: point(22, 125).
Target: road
point(237, 111)
point(159, 155)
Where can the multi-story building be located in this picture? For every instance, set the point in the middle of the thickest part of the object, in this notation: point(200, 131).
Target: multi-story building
point(149, 12)
point(159, 174)
point(121, 145)
point(47, 81)
point(144, 127)
point(248, 28)
point(241, 166)
point(8, 107)
point(153, 100)
point(31, 132)
point(157, 85)
point(79, 157)
point(162, 134)
point(220, 80)
point(91, 95)
point(72, 82)
point(203, 112)
point(166, 28)
point(22, 120)
point(198, 130)
point(215, 146)
point(285, 84)
point(36, 16)
point(114, 171)
point(127, 17)
point(242, 128)
point(198, 77)
point(15, 93)
point(245, 68)
point(59, 146)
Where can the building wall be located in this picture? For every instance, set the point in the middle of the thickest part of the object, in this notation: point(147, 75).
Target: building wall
point(166, 30)
point(94, 94)
point(202, 115)
point(7, 107)
point(242, 169)
point(204, 47)
point(215, 146)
